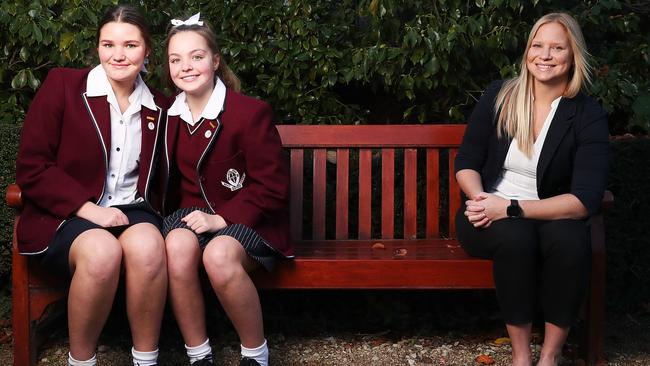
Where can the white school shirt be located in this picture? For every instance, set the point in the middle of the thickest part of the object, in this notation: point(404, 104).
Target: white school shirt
point(210, 111)
point(121, 185)
point(518, 179)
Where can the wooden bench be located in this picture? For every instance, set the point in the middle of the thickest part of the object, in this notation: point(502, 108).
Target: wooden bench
point(372, 207)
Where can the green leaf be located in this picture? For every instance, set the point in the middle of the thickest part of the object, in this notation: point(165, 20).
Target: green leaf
point(331, 79)
point(24, 54)
point(66, 40)
point(37, 34)
point(417, 57)
point(432, 66)
point(20, 80)
point(32, 81)
point(407, 112)
point(357, 57)
point(279, 56)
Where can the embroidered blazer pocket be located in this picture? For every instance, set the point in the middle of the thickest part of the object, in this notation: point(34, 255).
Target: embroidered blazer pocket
point(228, 176)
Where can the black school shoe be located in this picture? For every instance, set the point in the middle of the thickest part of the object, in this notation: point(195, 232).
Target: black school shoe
point(245, 361)
point(203, 362)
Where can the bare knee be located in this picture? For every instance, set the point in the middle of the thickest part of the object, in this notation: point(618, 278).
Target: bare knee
point(144, 250)
point(222, 261)
point(183, 253)
point(96, 255)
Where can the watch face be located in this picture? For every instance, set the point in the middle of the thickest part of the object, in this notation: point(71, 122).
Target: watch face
point(513, 211)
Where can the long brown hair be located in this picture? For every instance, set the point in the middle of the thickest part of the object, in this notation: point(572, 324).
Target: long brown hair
point(223, 71)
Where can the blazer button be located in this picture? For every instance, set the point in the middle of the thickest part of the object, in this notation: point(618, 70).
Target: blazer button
point(212, 204)
point(202, 178)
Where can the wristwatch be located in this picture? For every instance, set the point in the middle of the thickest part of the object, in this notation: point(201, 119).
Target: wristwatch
point(514, 211)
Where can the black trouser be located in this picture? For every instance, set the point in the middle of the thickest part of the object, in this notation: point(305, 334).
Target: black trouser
point(549, 259)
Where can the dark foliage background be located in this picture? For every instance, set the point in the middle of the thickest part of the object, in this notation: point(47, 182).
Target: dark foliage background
point(369, 61)
point(363, 61)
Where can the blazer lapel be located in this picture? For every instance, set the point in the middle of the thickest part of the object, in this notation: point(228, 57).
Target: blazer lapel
point(559, 125)
point(214, 126)
point(171, 133)
point(210, 136)
point(150, 126)
point(100, 115)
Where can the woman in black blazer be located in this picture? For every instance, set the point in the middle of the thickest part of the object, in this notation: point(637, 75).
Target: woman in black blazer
point(533, 167)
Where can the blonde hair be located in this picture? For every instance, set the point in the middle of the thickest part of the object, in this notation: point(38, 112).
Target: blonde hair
point(224, 72)
point(514, 103)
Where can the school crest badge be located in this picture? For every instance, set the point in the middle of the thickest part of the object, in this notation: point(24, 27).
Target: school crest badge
point(233, 180)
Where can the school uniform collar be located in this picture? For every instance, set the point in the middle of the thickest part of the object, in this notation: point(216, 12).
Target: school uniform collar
point(211, 110)
point(97, 85)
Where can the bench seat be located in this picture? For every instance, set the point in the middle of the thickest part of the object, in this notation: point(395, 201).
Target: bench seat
point(380, 264)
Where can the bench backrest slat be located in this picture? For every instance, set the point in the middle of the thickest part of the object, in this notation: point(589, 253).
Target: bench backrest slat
point(342, 189)
point(296, 192)
point(319, 187)
point(410, 193)
point(454, 194)
point(432, 193)
point(391, 182)
point(365, 193)
point(387, 193)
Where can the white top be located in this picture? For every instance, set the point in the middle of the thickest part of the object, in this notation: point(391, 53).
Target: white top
point(518, 178)
point(126, 137)
point(210, 111)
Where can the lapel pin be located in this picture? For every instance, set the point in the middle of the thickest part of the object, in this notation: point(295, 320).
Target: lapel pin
point(151, 118)
point(151, 125)
point(208, 133)
point(212, 125)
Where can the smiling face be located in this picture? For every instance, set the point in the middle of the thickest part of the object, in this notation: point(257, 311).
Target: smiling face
point(122, 51)
point(191, 63)
point(550, 57)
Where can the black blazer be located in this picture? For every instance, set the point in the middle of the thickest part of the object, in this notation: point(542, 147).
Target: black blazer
point(574, 158)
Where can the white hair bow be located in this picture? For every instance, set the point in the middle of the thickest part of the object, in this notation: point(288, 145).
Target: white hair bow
point(193, 20)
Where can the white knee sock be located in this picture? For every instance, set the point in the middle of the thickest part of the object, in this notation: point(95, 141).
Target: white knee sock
point(202, 351)
point(259, 354)
point(144, 358)
point(89, 362)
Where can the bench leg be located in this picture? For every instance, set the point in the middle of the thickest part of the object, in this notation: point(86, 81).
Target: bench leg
point(595, 323)
point(24, 352)
point(34, 308)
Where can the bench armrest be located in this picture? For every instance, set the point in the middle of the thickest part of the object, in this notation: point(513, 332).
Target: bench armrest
point(14, 196)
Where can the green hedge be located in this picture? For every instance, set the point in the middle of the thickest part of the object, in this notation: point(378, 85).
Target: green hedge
point(369, 61)
point(9, 135)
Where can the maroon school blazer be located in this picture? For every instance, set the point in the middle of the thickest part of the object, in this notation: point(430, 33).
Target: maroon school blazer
point(244, 140)
point(63, 159)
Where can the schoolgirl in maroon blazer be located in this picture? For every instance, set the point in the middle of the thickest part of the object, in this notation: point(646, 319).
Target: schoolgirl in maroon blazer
point(85, 165)
point(226, 190)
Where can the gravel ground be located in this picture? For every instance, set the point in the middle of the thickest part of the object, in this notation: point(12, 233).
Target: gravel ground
point(321, 335)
